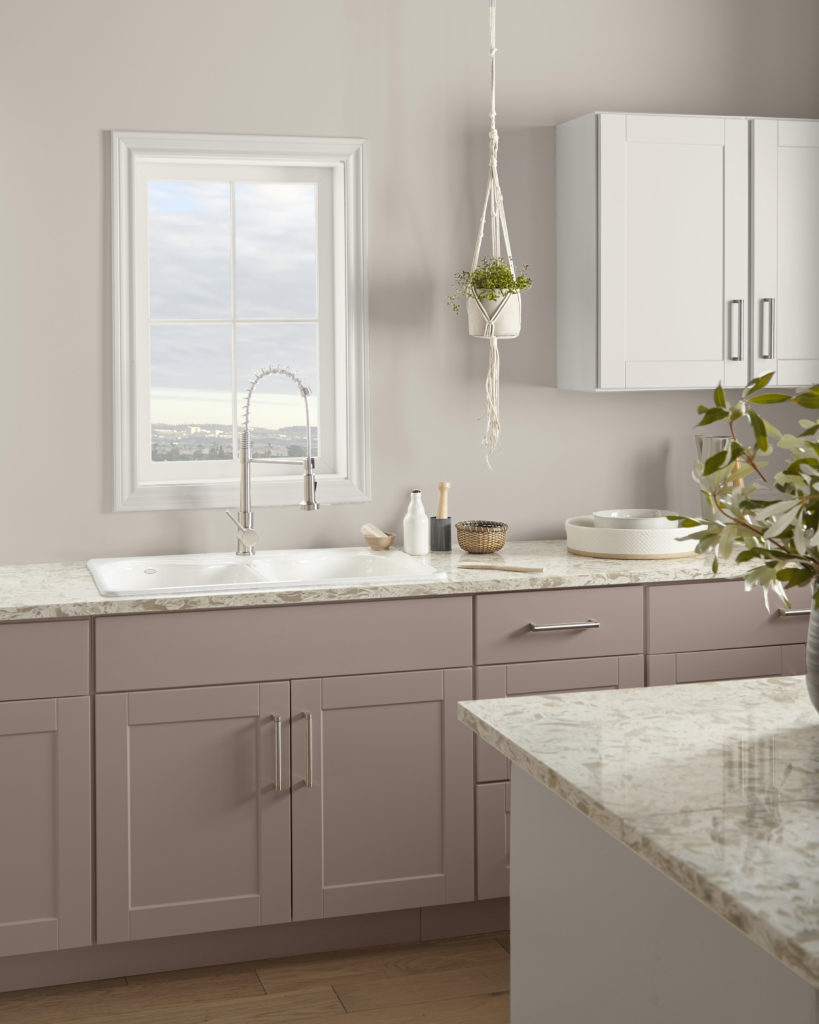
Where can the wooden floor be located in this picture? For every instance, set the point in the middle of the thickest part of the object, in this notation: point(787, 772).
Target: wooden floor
point(449, 981)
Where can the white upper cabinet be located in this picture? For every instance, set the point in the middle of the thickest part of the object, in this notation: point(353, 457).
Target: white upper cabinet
point(785, 270)
point(655, 258)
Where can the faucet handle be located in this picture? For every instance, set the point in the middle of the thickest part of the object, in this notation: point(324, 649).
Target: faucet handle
point(247, 535)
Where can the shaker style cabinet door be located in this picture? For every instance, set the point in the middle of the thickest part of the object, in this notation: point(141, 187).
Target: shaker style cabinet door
point(652, 236)
point(45, 836)
point(382, 793)
point(193, 810)
point(785, 297)
point(673, 251)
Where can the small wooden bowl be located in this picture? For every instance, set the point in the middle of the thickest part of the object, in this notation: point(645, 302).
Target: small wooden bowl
point(380, 543)
point(481, 536)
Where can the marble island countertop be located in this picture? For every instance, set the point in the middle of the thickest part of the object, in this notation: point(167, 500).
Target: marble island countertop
point(66, 589)
point(714, 784)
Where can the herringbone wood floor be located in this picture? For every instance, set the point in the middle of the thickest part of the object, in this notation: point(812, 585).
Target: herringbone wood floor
point(449, 981)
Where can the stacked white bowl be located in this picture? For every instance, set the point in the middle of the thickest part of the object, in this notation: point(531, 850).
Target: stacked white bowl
point(629, 533)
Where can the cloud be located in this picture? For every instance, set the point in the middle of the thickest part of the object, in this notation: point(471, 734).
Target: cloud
point(189, 234)
point(189, 249)
point(276, 249)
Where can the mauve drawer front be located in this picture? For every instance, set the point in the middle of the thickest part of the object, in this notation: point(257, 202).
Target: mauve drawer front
point(147, 652)
point(502, 624)
point(720, 614)
point(44, 659)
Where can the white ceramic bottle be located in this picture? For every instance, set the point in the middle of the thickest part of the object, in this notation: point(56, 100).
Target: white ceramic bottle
point(416, 526)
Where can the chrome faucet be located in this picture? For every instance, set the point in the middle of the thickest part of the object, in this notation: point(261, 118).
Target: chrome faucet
point(246, 536)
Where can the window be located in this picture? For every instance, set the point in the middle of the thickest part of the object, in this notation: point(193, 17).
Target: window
point(231, 253)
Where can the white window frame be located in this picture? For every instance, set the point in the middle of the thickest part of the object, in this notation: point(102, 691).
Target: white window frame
point(134, 487)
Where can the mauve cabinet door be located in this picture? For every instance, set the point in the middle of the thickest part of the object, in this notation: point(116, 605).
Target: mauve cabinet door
point(192, 833)
point(45, 825)
point(382, 793)
point(492, 806)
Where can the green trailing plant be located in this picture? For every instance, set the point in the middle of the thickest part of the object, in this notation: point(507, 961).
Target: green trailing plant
point(772, 524)
point(491, 280)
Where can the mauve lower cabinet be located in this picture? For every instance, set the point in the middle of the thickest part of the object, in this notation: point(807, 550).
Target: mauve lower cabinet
point(694, 632)
point(594, 642)
point(198, 785)
point(45, 787)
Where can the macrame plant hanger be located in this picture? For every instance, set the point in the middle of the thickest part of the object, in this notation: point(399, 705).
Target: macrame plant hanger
point(493, 205)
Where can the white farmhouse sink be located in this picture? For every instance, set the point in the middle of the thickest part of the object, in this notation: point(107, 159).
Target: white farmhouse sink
point(266, 570)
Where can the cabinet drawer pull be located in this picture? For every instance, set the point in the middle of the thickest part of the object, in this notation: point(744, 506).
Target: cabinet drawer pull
point(767, 350)
point(277, 778)
point(736, 327)
point(794, 611)
point(308, 776)
point(588, 624)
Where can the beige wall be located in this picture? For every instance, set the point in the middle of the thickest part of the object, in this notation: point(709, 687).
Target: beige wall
point(410, 76)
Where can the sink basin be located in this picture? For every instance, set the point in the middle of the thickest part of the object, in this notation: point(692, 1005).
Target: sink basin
point(266, 570)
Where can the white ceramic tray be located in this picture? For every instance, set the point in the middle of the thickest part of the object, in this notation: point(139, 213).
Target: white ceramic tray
point(584, 538)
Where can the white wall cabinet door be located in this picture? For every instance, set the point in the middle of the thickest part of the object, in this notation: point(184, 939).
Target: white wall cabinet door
point(653, 252)
point(673, 251)
point(785, 297)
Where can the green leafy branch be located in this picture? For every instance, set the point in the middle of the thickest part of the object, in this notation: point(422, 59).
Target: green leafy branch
point(779, 533)
point(490, 280)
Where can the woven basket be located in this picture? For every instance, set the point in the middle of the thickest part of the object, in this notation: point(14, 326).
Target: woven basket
point(481, 536)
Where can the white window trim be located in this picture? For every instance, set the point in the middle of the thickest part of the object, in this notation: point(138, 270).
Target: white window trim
point(345, 157)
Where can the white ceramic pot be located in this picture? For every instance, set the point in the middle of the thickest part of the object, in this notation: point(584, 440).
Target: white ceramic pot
point(507, 321)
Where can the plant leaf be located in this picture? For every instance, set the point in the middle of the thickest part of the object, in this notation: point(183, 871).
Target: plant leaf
point(757, 384)
point(714, 462)
point(771, 398)
point(760, 429)
point(712, 415)
point(750, 553)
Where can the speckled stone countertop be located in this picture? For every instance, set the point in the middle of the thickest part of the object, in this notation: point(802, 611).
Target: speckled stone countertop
point(715, 784)
point(66, 589)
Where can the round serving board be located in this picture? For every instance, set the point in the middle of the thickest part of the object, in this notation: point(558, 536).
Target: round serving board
point(584, 538)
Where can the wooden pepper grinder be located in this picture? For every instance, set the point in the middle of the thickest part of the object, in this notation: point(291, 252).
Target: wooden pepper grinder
point(440, 525)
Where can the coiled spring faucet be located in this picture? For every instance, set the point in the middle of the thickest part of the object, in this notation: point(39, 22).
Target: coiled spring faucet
point(246, 536)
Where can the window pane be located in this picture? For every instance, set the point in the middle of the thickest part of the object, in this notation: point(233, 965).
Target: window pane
point(189, 241)
point(277, 415)
point(191, 392)
point(276, 250)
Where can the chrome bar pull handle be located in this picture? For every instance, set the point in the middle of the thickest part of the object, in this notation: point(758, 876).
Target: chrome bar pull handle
point(308, 776)
point(588, 624)
point(277, 778)
point(766, 347)
point(736, 328)
point(794, 611)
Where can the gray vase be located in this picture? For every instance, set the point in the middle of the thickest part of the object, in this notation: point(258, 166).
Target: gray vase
point(812, 677)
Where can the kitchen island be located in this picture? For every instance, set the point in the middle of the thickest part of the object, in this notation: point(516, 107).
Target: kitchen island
point(715, 788)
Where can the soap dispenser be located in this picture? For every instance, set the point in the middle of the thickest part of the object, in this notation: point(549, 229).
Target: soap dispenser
point(416, 526)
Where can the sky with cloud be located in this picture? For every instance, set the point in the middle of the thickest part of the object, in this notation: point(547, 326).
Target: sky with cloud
point(190, 280)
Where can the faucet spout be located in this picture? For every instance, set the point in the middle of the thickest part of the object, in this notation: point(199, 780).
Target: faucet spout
point(246, 535)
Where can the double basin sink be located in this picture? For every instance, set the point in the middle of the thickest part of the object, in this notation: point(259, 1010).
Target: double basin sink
point(266, 570)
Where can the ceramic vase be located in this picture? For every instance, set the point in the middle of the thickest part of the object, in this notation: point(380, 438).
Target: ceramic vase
point(507, 322)
point(812, 676)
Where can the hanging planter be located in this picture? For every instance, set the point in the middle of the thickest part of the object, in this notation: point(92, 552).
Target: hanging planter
point(492, 294)
point(491, 288)
point(503, 314)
